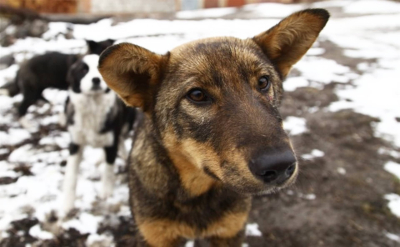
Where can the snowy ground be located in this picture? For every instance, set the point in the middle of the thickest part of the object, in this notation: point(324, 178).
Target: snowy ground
point(356, 61)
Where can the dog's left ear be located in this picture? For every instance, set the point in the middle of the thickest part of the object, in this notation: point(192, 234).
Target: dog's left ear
point(285, 43)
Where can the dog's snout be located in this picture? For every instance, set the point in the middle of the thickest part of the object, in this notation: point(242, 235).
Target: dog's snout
point(96, 81)
point(277, 166)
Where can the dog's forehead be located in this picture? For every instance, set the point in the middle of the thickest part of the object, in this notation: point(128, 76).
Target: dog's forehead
point(91, 60)
point(219, 51)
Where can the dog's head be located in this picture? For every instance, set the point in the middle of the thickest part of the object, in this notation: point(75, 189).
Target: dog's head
point(215, 101)
point(98, 47)
point(84, 77)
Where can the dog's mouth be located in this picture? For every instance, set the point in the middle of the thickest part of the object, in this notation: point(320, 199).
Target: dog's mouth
point(96, 88)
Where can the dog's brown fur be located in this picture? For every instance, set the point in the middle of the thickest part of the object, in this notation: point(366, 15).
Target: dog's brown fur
point(189, 174)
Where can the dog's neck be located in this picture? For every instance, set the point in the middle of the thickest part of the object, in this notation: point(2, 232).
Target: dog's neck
point(151, 160)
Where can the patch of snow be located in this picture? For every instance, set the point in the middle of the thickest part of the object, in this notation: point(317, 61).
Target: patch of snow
point(292, 83)
point(341, 170)
point(252, 230)
point(205, 13)
point(37, 232)
point(4, 151)
point(189, 244)
point(322, 70)
point(54, 119)
point(394, 203)
point(8, 74)
point(315, 153)
point(372, 7)
point(97, 240)
point(271, 10)
point(86, 223)
point(309, 197)
point(393, 237)
point(315, 51)
point(393, 168)
point(377, 101)
point(13, 137)
point(392, 153)
point(295, 125)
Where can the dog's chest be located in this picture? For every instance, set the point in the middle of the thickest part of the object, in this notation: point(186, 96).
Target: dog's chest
point(90, 116)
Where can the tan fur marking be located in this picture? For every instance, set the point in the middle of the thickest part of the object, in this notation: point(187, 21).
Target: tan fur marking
point(194, 180)
point(164, 233)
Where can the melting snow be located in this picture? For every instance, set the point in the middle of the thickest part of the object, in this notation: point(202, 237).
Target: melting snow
point(295, 125)
point(393, 237)
point(252, 230)
point(315, 153)
point(394, 203)
point(13, 137)
point(393, 168)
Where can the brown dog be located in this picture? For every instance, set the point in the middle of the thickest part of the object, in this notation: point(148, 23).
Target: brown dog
point(211, 135)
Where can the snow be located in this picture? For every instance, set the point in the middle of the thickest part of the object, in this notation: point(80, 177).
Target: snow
point(322, 70)
point(189, 244)
point(292, 83)
point(295, 125)
point(341, 170)
point(393, 168)
point(13, 137)
point(372, 7)
point(271, 10)
point(252, 230)
point(379, 101)
point(99, 240)
point(394, 203)
point(37, 232)
point(315, 153)
point(206, 13)
point(393, 237)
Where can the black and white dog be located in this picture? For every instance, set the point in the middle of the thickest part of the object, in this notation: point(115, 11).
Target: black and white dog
point(45, 71)
point(95, 117)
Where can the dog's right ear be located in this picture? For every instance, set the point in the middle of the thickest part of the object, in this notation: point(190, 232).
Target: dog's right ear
point(132, 72)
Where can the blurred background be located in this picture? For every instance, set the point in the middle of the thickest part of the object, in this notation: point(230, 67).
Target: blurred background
point(341, 109)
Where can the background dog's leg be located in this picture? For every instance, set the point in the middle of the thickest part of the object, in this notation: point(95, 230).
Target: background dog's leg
point(108, 176)
point(122, 150)
point(30, 97)
point(235, 241)
point(71, 177)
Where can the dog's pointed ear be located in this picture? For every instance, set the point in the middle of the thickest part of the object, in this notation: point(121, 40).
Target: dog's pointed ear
point(285, 43)
point(132, 72)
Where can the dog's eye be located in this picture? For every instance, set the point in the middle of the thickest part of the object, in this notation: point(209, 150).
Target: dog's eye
point(198, 96)
point(264, 83)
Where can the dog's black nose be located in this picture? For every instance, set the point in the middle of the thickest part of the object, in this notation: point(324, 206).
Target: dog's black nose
point(96, 81)
point(277, 166)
